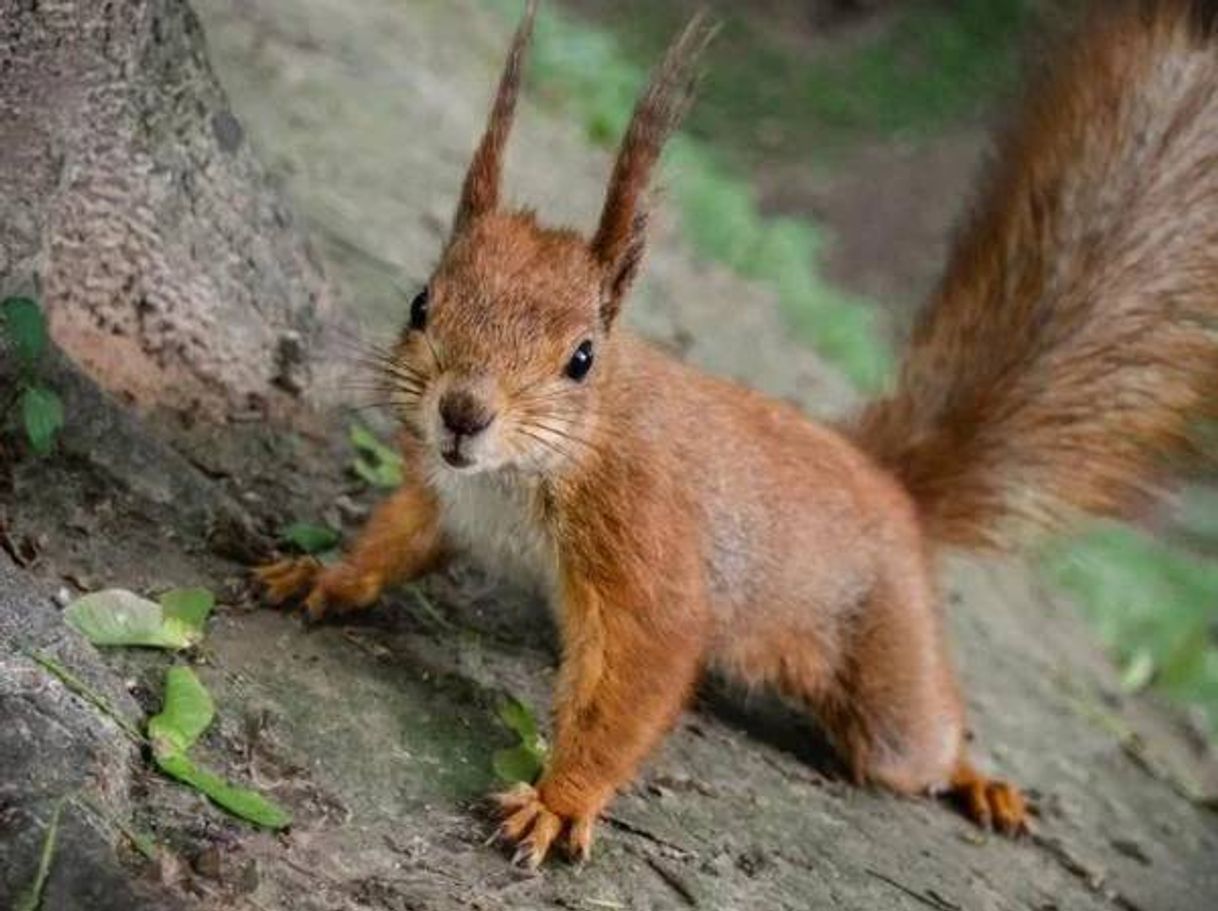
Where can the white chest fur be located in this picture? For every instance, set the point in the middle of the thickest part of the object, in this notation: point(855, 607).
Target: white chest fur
point(499, 524)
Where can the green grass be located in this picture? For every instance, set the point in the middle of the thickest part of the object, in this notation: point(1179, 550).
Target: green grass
point(585, 70)
point(1155, 607)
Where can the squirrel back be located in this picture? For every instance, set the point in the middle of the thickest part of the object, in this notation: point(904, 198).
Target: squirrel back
point(1071, 348)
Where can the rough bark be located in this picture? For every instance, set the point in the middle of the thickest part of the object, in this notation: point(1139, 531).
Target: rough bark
point(131, 203)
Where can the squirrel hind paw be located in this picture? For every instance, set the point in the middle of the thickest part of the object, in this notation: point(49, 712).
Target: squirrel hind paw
point(990, 803)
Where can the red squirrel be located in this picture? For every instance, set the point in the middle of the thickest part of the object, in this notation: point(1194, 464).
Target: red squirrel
point(678, 521)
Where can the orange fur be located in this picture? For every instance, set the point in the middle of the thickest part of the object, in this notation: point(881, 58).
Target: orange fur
point(676, 520)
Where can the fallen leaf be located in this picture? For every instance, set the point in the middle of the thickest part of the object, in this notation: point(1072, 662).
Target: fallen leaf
point(188, 711)
point(525, 761)
point(376, 463)
point(310, 538)
point(190, 606)
point(517, 764)
point(42, 415)
point(119, 617)
point(249, 805)
point(25, 328)
point(31, 900)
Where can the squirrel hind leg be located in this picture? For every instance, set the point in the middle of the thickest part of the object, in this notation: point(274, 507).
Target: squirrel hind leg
point(907, 765)
point(897, 716)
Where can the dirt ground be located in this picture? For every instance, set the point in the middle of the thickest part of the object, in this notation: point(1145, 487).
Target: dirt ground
point(378, 734)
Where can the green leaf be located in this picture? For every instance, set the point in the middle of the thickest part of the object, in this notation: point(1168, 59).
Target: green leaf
point(25, 328)
point(188, 606)
point(519, 718)
point(249, 805)
point(377, 464)
point(42, 414)
point(187, 712)
point(119, 617)
point(363, 439)
point(517, 764)
point(524, 761)
point(383, 474)
point(31, 900)
point(1138, 672)
point(310, 538)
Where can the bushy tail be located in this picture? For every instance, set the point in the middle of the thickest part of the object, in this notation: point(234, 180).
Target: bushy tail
point(1072, 346)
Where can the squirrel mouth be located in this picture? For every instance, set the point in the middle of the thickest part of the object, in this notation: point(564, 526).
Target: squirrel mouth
point(456, 458)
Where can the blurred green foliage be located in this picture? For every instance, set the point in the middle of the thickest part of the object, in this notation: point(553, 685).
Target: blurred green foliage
point(1155, 605)
point(24, 336)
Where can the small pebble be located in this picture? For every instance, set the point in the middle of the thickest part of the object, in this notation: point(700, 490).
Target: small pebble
point(63, 597)
point(209, 863)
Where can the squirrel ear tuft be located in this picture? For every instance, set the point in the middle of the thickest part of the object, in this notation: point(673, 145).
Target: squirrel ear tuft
point(480, 192)
point(620, 238)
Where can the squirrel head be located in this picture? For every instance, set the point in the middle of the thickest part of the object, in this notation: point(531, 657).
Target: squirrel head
point(508, 349)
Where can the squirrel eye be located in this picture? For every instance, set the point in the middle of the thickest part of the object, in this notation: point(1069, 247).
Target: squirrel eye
point(581, 361)
point(418, 310)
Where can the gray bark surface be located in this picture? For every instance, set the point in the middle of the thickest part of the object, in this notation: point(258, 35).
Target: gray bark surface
point(130, 202)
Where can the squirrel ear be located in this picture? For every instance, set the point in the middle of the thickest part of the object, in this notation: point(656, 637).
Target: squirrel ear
point(619, 241)
point(480, 192)
point(620, 272)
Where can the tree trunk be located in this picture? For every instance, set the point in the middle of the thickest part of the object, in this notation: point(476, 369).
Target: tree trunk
point(131, 204)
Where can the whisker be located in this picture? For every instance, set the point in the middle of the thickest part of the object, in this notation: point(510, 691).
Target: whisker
point(405, 375)
point(565, 434)
point(370, 370)
point(563, 440)
point(384, 387)
point(363, 347)
point(390, 376)
point(372, 354)
point(348, 408)
point(562, 414)
point(434, 356)
point(549, 444)
point(544, 396)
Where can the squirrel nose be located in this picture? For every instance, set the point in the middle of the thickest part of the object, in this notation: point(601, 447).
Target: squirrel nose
point(463, 414)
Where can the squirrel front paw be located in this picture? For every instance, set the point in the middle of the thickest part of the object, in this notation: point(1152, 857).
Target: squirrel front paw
point(326, 590)
point(533, 827)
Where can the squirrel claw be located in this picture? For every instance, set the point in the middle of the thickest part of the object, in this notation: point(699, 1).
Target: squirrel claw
point(992, 804)
point(534, 828)
point(284, 580)
point(326, 589)
point(579, 840)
